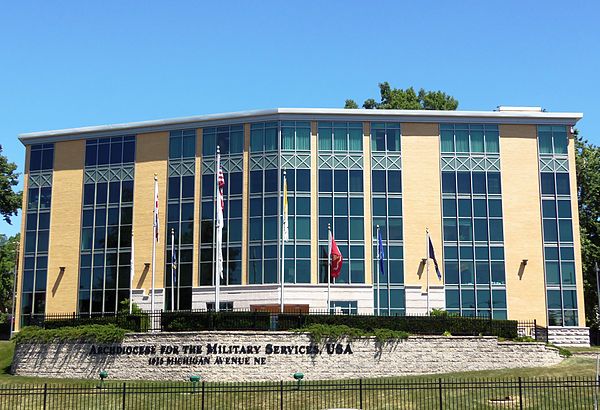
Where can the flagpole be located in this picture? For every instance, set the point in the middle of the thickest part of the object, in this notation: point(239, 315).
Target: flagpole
point(131, 273)
point(284, 215)
point(177, 273)
point(216, 274)
point(329, 269)
point(172, 270)
point(155, 234)
point(378, 270)
point(427, 263)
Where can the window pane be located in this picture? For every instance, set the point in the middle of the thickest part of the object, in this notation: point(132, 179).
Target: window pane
point(560, 142)
point(447, 138)
point(476, 141)
point(491, 141)
point(448, 182)
point(462, 141)
point(463, 182)
point(547, 183)
point(562, 183)
point(545, 142)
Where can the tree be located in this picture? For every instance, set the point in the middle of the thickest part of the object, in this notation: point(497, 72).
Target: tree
point(10, 201)
point(587, 162)
point(399, 99)
point(8, 253)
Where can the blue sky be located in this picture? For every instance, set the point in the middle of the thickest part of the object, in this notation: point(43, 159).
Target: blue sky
point(68, 64)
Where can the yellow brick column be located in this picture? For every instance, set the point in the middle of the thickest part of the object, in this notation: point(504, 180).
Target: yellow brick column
point(197, 203)
point(152, 151)
point(422, 208)
point(19, 284)
point(367, 203)
point(519, 164)
point(576, 237)
point(245, 202)
point(65, 227)
point(314, 204)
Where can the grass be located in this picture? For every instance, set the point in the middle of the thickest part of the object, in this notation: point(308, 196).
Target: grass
point(340, 393)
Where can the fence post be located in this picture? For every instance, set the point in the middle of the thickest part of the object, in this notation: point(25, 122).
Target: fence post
point(535, 336)
point(124, 392)
point(520, 394)
point(360, 395)
point(203, 382)
point(440, 393)
point(45, 394)
point(281, 395)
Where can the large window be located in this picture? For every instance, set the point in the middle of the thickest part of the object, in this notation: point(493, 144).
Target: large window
point(340, 136)
point(295, 135)
point(297, 250)
point(386, 209)
point(341, 199)
point(37, 231)
point(231, 138)
point(104, 276)
point(180, 217)
point(473, 233)
point(557, 223)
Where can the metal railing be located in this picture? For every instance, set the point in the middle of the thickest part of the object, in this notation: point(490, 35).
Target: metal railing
point(434, 393)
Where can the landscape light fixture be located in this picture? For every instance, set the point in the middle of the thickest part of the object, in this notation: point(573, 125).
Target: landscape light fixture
point(524, 262)
point(298, 376)
point(103, 375)
point(194, 379)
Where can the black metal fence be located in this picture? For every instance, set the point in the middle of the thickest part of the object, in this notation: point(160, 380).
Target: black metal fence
point(571, 393)
point(198, 320)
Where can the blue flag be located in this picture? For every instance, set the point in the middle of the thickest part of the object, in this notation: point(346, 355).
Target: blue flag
point(381, 253)
point(432, 256)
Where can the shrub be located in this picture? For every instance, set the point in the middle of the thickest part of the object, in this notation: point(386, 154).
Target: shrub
point(86, 333)
point(319, 332)
point(423, 325)
point(187, 321)
point(561, 350)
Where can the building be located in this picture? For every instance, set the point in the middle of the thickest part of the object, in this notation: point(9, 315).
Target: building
point(496, 190)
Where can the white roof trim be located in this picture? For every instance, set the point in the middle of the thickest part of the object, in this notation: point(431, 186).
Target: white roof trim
point(519, 117)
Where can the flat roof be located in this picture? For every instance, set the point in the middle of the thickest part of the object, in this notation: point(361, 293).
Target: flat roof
point(321, 114)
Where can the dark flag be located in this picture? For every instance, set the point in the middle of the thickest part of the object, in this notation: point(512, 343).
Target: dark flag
point(432, 256)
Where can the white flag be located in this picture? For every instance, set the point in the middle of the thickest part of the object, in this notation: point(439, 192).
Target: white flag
point(220, 204)
point(286, 231)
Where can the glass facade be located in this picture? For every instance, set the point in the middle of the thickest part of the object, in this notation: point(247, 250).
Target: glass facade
point(230, 140)
point(295, 140)
point(180, 218)
point(386, 206)
point(472, 220)
point(37, 231)
point(559, 250)
point(105, 258)
point(341, 198)
point(264, 202)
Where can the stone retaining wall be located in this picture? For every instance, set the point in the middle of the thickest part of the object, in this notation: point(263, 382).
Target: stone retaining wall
point(569, 336)
point(255, 356)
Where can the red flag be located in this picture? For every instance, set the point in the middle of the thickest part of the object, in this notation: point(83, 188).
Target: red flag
point(336, 259)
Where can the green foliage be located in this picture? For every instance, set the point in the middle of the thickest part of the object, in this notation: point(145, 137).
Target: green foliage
point(446, 333)
point(524, 339)
point(561, 350)
point(10, 201)
point(182, 321)
point(409, 99)
point(320, 332)
point(350, 104)
point(438, 312)
point(587, 161)
point(86, 333)
point(386, 335)
point(423, 325)
point(8, 254)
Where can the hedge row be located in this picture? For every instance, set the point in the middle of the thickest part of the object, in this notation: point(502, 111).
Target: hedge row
point(420, 325)
point(134, 322)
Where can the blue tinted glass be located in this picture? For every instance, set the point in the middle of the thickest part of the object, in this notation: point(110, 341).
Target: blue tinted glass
point(394, 181)
point(547, 183)
point(493, 179)
point(480, 208)
point(481, 253)
point(464, 207)
point(550, 230)
point(452, 299)
point(450, 233)
point(548, 209)
point(325, 180)
point(448, 182)
point(450, 252)
point(340, 181)
point(449, 207)
point(451, 272)
point(479, 183)
point(463, 182)
point(562, 183)
point(496, 231)
point(303, 180)
point(564, 209)
point(495, 206)
point(466, 252)
point(551, 253)
point(567, 253)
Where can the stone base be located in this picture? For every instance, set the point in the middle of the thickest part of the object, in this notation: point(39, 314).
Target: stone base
point(569, 336)
point(270, 356)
